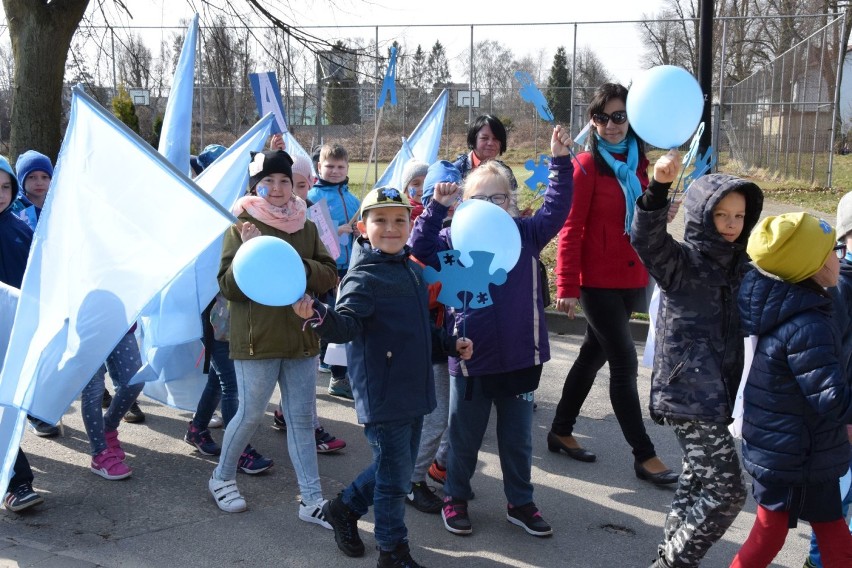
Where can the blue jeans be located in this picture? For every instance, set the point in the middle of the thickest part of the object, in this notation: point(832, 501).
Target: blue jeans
point(814, 556)
point(433, 439)
point(123, 363)
point(221, 385)
point(468, 421)
point(256, 380)
point(21, 472)
point(387, 480)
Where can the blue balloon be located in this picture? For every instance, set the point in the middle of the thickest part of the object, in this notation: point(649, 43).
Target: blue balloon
point(270, 271)
point(664, 106)
point(479, 225)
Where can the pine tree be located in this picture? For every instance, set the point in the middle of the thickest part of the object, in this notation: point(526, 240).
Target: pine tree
point(437, 67)
point(559, 88)
point(343, 103)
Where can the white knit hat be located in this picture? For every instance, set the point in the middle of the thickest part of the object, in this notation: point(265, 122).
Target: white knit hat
point(413, 168)
point(844, 216)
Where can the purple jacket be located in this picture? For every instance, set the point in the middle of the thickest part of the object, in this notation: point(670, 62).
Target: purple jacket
point(511, 334)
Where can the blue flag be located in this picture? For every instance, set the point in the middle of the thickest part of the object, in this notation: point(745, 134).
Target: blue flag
point(389, 82)
point(177, 122)
point(425, 139)
point(87, 281)
point(267, 95)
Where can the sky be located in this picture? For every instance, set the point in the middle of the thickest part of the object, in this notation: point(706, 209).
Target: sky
point(616, 44)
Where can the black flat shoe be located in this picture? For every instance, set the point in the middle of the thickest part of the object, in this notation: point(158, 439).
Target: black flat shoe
point(666, 477)
point(554, 444)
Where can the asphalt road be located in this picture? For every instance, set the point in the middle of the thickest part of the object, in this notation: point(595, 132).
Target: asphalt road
point(163, 516)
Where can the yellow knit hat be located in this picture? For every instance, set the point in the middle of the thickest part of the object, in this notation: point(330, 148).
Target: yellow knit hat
point(792, 246)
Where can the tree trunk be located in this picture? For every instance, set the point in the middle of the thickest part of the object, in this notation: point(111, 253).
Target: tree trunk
point(41, 35)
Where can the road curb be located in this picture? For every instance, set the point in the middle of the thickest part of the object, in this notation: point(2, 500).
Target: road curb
point(561, 324)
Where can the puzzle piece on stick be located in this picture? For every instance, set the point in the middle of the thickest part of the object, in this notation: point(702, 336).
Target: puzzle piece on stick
point(465, 286)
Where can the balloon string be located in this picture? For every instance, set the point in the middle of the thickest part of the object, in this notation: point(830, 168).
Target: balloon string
point(314, 321)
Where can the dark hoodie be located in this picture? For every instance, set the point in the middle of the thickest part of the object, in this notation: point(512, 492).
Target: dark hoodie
point(698, 356)
point(798, 397)
point(15, 237)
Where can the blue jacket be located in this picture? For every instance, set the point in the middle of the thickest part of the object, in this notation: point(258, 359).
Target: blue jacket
point(343, 207)
point(510, 334)
point(698, 353)
point(382, 310)
point(15, 238)
point(798, 397)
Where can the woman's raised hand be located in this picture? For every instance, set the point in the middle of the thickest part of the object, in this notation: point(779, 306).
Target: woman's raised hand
point(560, 142)
point(446, 193)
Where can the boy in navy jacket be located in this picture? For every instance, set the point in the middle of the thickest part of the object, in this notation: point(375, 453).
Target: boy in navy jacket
point(382, 311)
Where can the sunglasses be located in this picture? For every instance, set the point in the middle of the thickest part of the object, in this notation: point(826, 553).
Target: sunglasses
point(840, 251)
point(602, 118)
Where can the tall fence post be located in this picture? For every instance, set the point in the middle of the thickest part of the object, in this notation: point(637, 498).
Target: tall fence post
point(841, 56)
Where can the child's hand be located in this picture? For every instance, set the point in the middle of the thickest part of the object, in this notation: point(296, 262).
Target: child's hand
point(665, 170)
point(304, 307)
point(248, 231)
point(446, 193)
point(277, 142)
point(567, 305)
point(344, 229)
point(465, 348)
point(674, 207)
point(560, 142)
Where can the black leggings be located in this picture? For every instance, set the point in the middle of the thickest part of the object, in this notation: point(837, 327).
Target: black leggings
point(607, 338)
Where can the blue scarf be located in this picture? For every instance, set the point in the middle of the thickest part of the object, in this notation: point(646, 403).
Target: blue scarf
point(625, 172)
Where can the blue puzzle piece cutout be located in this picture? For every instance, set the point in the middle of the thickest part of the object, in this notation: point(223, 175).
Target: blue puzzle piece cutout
point(704, 163)
point(540, 176)
point(465, 286)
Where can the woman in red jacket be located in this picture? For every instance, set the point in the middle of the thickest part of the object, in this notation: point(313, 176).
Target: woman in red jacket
point(597, 268)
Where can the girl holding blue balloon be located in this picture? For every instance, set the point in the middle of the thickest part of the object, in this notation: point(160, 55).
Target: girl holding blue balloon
point(597, 268)
point(511, 332)
point(267, 341)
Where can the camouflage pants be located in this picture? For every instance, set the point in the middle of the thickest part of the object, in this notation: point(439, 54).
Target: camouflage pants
point(709, 495)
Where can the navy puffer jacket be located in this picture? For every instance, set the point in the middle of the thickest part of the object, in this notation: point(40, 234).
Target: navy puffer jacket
point(798, 397)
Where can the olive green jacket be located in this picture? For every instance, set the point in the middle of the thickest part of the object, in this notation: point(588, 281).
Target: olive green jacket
point(267, 332)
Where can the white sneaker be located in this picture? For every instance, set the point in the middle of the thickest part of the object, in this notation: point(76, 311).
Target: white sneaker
point(226, 495)
point(216, 421)
point(313, 514)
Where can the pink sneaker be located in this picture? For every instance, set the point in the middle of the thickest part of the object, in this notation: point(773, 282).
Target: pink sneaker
point(109, 466)
point(326, 443)
point(114, 445)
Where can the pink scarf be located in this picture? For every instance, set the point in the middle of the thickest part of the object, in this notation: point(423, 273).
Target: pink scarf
point(290, 218)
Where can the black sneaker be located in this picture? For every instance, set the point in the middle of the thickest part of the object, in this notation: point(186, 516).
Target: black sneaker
point(400, 557)
point(344, 522)
point(22, 497)
point(456, 519)
point(107, 400)
point(423, 498)
point(278, 422)
point(529, 518)
point(135, 414)
point(42, 429)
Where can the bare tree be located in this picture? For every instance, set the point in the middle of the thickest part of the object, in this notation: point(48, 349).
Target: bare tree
point(492, 69)
point(134, 63)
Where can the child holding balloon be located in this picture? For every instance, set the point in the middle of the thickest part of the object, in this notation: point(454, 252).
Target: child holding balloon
point(382, 309)
point(510, 336)
point(698, 354)
point(267, 342)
